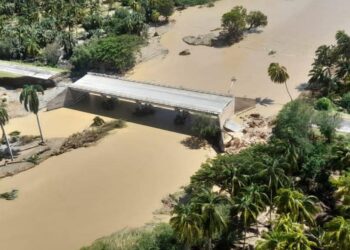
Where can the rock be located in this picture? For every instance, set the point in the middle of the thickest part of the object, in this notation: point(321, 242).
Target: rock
point(156, 34)
point(206, 40)
point(185, 52)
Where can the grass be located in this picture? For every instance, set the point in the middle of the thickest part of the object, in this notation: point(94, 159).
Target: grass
point(40, 67)
point(4, 74)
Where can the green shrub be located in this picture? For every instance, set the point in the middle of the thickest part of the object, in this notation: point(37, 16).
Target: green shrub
point(97, 121)
point(125, 21)
point(206, 127)
point(345, 101)
point(324, 104)
point(164, 7)
point(51, 54)
point(191, 2)
point(159, 237)
point(113, 53)
point(9, 195)
point(256, 19)
point(234, 21)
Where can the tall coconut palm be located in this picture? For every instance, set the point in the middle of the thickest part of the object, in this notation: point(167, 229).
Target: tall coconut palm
point(186, 223)
point(300, 207)
point(211, 206)
point(4, 118)
point(337, 234)
point(29, 97)
point(248, 211)
point(276, 178)
point(279, 74)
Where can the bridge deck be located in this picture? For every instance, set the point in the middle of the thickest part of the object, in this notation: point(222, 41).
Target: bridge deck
point(156, 94)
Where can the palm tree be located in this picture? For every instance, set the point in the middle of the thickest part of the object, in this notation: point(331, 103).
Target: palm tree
point(279, 74)
point(273, 240)
point(238, 181)
point(4, 118)
point(300, 207)
point(211, 206)
point(29, 97)
point(337, 234)
point(276, 178)
point(287, 234)
point(186, 224)
point(248, 210)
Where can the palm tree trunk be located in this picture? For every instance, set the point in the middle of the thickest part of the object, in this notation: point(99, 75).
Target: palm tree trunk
point(245, 236)
point(7, 141)
point(285, 84)
point(41, 132)
point(271, 207)
point(210, 247)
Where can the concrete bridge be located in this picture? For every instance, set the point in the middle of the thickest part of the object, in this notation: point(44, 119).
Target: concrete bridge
point(220, 107)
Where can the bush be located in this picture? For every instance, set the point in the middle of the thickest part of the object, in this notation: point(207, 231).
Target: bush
point(256, 19)
point(345, 101)
point(324, 104)
point(97, 121)
point(164, 7)
point(182, 3)
point(113, 53)
point(125, 21)
point(293, 124)
point(327, 124)
point(158, 237)
point(206, 127)
point(92, 22)
point(234, 21)
point(52, 53)
point(6, 47)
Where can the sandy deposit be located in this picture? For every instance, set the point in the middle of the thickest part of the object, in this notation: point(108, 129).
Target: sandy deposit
point(296, 28)
point(70, 200)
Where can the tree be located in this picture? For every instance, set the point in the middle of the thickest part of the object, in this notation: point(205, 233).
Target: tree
point(186, 223)
point(275, 176)
point(279, 75)
point(212, 213)
point(272, 240)
point(286, 234)
point(4, 118)
point(300, 207)
point(328, 123)
point(164, 7)
point(29, 98)
point(248, 211)
point(234, 21)
point(256, 19)
point(112, 53)
point(337, 234)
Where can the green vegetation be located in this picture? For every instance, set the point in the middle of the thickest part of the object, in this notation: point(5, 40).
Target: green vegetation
point(8, 75)
point(279, 75)
point(158, 237)
point(113, 53)
point(50, 32)
point(205, 127)
point(9, 195)
point(238, 20)
point(4, 118)
point(90, 136)
point(29, 98)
